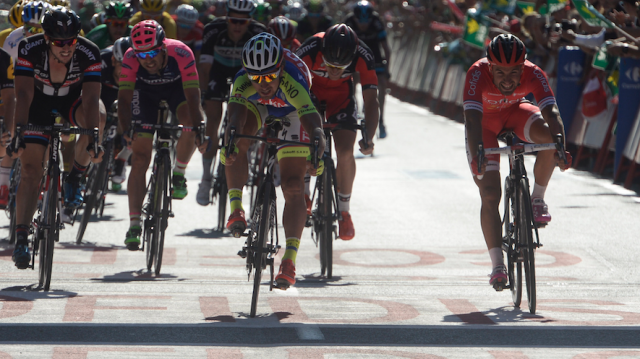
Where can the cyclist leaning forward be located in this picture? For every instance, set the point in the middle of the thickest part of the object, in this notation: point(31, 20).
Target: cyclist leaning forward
point(223, 40)
point(494, 102)
point(52, 71)
point(156, 69)
point(274, 82)
point(333, 58)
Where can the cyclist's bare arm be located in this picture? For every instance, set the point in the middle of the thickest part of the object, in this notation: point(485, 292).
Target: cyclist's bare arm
point(551, 115)
point(312, 123)
point(371, 111)
point(9, 104)
point(24, 88)
point(473, 126)
point(124, 112)
point(237, 118)
point(204, 69)
point(91, 105)
point(193, 101)
point(387, 51)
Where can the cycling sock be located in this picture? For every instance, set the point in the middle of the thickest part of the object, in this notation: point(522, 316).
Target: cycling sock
point(124, 154)
point(5, 173)
point(291, 252)
point(77, 172)
point(307, 185)
point(343, 203)
point(22, 234)
point(180, 168)
point(496, 257)
point(206, 168)
point(235, 199)
point(134, 219)
point(538, 191)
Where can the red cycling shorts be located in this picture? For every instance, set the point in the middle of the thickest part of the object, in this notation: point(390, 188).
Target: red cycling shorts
point(517, 118)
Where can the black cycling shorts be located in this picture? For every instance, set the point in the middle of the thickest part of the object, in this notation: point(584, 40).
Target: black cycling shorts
point(218, 89)
point(40, 113)
point(146, 103)
point(340, 107)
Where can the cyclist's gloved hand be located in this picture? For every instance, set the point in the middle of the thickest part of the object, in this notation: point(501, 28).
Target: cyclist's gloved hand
point(314, 171)
point(16, 152)
point(95, 157)
point(223, 157)
point(6, 139)
point(564, 166)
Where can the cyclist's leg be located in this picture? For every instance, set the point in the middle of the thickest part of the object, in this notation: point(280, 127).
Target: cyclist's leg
point(536, 130)
point(382, 93)
point(238, 173)
point(184, 149)
point(214, 97)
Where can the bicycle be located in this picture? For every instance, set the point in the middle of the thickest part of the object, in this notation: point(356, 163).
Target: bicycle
point(47, 224)
point(258, 250)
point(157, 210)
point(518, 222)
point(98, 177)
point(14, 179)
point(323, 218)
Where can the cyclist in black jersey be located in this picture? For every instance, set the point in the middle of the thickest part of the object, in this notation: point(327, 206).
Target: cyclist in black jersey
point(223, 40)
point(8, 106)
point(314, 21)
point(112, 58)
point(372, 31)
point(52, 71)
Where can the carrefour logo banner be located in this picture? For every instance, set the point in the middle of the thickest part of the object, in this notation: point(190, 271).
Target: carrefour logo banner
point(569, 88)
point(629, 93)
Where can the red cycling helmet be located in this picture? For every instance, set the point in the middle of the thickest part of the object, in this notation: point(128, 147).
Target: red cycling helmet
point(506, 50)
point(147, 35)
point(283, 28)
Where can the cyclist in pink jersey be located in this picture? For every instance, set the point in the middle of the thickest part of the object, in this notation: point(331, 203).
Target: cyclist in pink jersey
point(494, 102)
point(156, 69)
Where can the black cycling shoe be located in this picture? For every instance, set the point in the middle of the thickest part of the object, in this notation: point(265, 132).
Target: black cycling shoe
point(21, 256)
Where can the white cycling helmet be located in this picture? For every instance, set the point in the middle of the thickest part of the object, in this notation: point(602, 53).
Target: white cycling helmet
point(296, 11)
point(241, 6)
point(187, 14)
point(262, 54)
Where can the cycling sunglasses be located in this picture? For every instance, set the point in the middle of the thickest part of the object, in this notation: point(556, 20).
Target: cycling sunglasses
point(63, 43)
point(148, 55)
point(32, 30)
point(339, 67)
point(118, 23)
point(184, 26)
point(267, 78)
point(238, 21)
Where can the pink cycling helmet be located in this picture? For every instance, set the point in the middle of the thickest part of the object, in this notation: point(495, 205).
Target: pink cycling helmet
point(147, 35)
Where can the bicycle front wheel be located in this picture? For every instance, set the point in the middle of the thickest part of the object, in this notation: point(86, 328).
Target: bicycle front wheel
point(258, 248)
point(222, 197)
point(50, 232)
point(13, 191)
point(514, 265)
point(525, 238)
point(162, 213)
point(91, 198)
point(325, 212)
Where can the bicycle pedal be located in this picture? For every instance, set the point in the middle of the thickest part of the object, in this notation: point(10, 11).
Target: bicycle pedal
point(242, 253)
point(171, 214)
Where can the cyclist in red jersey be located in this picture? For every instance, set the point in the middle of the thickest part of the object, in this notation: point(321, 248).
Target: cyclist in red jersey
point(333, 57)
point(494, 102)
point(189, 29)
point(285, 30)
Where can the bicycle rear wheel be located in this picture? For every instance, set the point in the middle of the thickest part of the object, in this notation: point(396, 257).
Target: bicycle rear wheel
point(258, 248)
point(525, 238)
point(93, 193)
point(50, 231)
point(149, 222)
point(325, 236)
point(162, 213)
point(514, 265)
point(13, 191)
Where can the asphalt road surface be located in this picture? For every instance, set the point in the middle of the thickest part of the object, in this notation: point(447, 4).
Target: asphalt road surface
point(413, 283)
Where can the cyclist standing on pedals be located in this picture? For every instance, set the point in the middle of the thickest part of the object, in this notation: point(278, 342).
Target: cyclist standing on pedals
point(67, 66)
point(190, 29)
point(154, 10)
point(285, 30)
point(116, 25)
point(333, 57)
point(314, 21)
point(494, 102)
point(372, 30)
point(273, 82)
point(221, 59)
point(156, 69)
point(112, 58)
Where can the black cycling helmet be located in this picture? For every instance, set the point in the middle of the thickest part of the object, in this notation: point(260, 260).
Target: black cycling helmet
point(339, 45)
point(363, 11)
point(61, 23)
point(120, 47)
point(118, 10)
point(506, 50)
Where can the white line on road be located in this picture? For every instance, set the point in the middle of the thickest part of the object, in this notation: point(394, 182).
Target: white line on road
point(309, 332)
point(601, 259)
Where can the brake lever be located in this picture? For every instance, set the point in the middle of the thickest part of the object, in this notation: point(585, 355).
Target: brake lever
point(365, 137)
point(480, 156)
point(316, 145)
point(560, 148)
point(231, 145)
point(96, 144)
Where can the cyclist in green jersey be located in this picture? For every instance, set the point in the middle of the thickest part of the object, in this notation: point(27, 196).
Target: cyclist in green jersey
point(116, 26)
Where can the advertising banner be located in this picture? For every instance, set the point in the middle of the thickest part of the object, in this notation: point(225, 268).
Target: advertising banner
point(629, 93)
point(569, 89)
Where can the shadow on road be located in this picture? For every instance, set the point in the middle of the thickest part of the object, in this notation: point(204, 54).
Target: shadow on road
point(136, 276)
point(500, 315)
point(33, 292)
point(315, 280)
point(205, 233)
